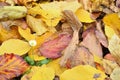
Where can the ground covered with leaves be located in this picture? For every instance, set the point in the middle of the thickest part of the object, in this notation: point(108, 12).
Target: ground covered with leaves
point(59, 40)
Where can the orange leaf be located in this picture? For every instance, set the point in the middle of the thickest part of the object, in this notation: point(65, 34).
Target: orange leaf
point(11, 66)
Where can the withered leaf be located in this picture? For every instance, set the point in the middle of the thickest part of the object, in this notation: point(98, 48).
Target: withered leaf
point(115, 74)
point(11, 66)
point(12, 12)
point(109, 66)
point(114, 47)
point(37, 25)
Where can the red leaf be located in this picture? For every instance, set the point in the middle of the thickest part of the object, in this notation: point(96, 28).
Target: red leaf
point(53, 48)
point(11, 66)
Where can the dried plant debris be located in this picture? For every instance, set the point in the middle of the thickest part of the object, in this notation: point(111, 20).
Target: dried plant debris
point(12, 12)
point(12, 66)
point(114, 45)
point(115, 74)
point(70, 39)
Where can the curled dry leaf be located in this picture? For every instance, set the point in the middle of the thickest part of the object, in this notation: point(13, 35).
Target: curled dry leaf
point(12, 12)
point(11, 66)
point(15, 46)
point(81, 56)
point(43, 73)
point(36, 25)
point(83, 72)
point(100, 34)
point(76, 25)
point(90, 37)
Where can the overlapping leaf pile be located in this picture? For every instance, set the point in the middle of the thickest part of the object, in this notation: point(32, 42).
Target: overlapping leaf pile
point(59, 40)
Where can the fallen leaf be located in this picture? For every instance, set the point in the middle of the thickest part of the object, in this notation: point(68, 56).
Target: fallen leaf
point(109, 66)
point(42, 73)
point(72, 5)
point(83, 72)
point(51, 12)
point(12, 12)
point(97, 59)
point(34, 53)
point(109, 56)
point(12, 33)
point(83, 16)
point(36, 25)
point(56, 66)
point(115, 74)
point(26, 33)
point(113, 21)
point(114, 47)
point(11, 66)
point(53, 48)
point(15, 46)
point(109, 32)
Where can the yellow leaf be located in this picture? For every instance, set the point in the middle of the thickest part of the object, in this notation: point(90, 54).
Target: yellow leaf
point(51, 13)
point(56, 66)
point(83, 72)
point(72, 5)
point(36, 25)
point(15, 46)
point(97, 59)
point(9, 34)
point(83, 16)
point(113, 21)
point(109, 32)
point(41, 73)
point(26, 33)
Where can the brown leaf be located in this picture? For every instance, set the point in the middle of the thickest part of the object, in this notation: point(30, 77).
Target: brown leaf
point(76, 25)
point(11, 66)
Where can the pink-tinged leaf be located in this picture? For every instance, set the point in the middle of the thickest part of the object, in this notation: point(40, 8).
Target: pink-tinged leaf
point(54, 47)
point(11, 66)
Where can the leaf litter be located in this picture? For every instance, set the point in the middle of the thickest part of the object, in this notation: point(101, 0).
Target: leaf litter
point(70, 39)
